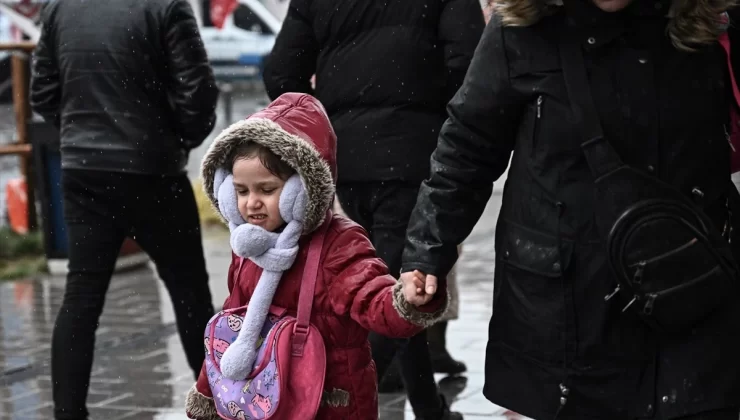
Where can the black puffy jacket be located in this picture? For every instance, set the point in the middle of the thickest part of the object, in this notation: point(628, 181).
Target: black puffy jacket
point(384, 71)
point(128, 83)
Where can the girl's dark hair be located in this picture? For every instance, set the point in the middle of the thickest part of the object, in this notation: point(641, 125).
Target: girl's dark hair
point(270, 160)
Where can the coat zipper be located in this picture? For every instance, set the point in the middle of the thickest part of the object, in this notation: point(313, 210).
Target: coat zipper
point(540, 99)
point(536, 123)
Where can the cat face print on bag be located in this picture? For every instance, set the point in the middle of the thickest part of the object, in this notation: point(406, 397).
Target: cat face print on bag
point(219, 347)
point(263, 403)
point(236, 411)
point(246, 399)
point(235, 322)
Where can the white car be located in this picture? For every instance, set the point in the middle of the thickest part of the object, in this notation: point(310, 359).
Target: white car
point(237, 52)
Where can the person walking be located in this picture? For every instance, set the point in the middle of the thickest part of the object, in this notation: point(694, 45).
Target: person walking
point(129, 86)
point(384, 71)
point(272, 178)
point(617, 242)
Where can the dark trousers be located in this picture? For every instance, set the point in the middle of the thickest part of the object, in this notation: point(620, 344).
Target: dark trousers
point(101, 209)
point(384, 209)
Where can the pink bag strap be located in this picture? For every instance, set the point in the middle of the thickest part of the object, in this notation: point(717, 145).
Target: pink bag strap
point(236, 291)
point(308, 286)
point(724, 40)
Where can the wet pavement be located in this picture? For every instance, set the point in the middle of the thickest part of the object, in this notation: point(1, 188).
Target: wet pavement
point(140, 370)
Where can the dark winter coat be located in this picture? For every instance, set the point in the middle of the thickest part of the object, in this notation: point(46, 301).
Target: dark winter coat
point(384, 70)
point(665, 110)
point(354, 292)
point(128, 83)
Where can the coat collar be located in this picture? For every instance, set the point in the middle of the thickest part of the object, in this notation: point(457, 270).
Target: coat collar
point(600, 28)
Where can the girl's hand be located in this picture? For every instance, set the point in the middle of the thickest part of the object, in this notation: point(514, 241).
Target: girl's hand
point(418, 289)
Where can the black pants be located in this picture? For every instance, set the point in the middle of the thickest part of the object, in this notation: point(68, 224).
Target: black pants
point(384, 209)
point(101, 209)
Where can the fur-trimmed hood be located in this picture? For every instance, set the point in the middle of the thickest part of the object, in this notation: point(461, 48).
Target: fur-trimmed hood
point(296, 128)
point(691, 23)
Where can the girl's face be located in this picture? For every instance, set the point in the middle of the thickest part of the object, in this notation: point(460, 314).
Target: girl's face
point(612, 5)
point(258, 193)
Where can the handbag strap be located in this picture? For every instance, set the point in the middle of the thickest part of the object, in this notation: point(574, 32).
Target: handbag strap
point(600, 155)
point(308, 286)
point(724, 40)
point(602, 158)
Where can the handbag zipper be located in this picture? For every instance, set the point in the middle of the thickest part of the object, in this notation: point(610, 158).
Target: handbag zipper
point(651, 297)
point(637, 278)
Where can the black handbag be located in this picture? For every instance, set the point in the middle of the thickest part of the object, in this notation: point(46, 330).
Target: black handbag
point(673, 267)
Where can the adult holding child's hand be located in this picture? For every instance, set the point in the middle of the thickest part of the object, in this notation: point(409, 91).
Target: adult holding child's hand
point(418, 289)
point(560, 93)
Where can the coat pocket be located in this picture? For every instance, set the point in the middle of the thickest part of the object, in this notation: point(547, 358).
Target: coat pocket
point(533, 305)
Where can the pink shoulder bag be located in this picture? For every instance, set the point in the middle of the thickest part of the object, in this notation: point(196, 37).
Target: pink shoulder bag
point(287, 381)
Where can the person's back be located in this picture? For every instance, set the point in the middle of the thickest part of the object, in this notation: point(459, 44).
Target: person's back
point(385, 72)
point(133, 94)
point(129, 84)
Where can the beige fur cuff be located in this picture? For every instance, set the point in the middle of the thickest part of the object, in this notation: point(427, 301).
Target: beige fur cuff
point(411, 314)
point(199, 406)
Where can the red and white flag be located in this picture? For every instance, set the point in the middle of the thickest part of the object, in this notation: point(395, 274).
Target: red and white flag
point(220, 10)
point(25, 8)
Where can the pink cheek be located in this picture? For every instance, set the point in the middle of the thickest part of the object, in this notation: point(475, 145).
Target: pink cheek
point(276, 209)
point(242, 205)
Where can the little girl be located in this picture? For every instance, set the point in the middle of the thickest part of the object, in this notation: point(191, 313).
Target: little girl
point(252, 172)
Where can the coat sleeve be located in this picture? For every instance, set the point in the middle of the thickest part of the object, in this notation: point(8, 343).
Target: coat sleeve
point(292, 63)
point(461, 24)
point(192, 89)
point(199, 403)
point(360, 287)
point(46, 89)
point(473, 150)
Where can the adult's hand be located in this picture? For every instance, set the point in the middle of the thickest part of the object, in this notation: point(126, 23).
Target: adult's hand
point(418, 288)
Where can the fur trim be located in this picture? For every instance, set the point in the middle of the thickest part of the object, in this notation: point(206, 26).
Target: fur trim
point(697, 22)
point(335, 398)
point(692, 22)
point(200, 407)
point(409, 312)
point(295, 151)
